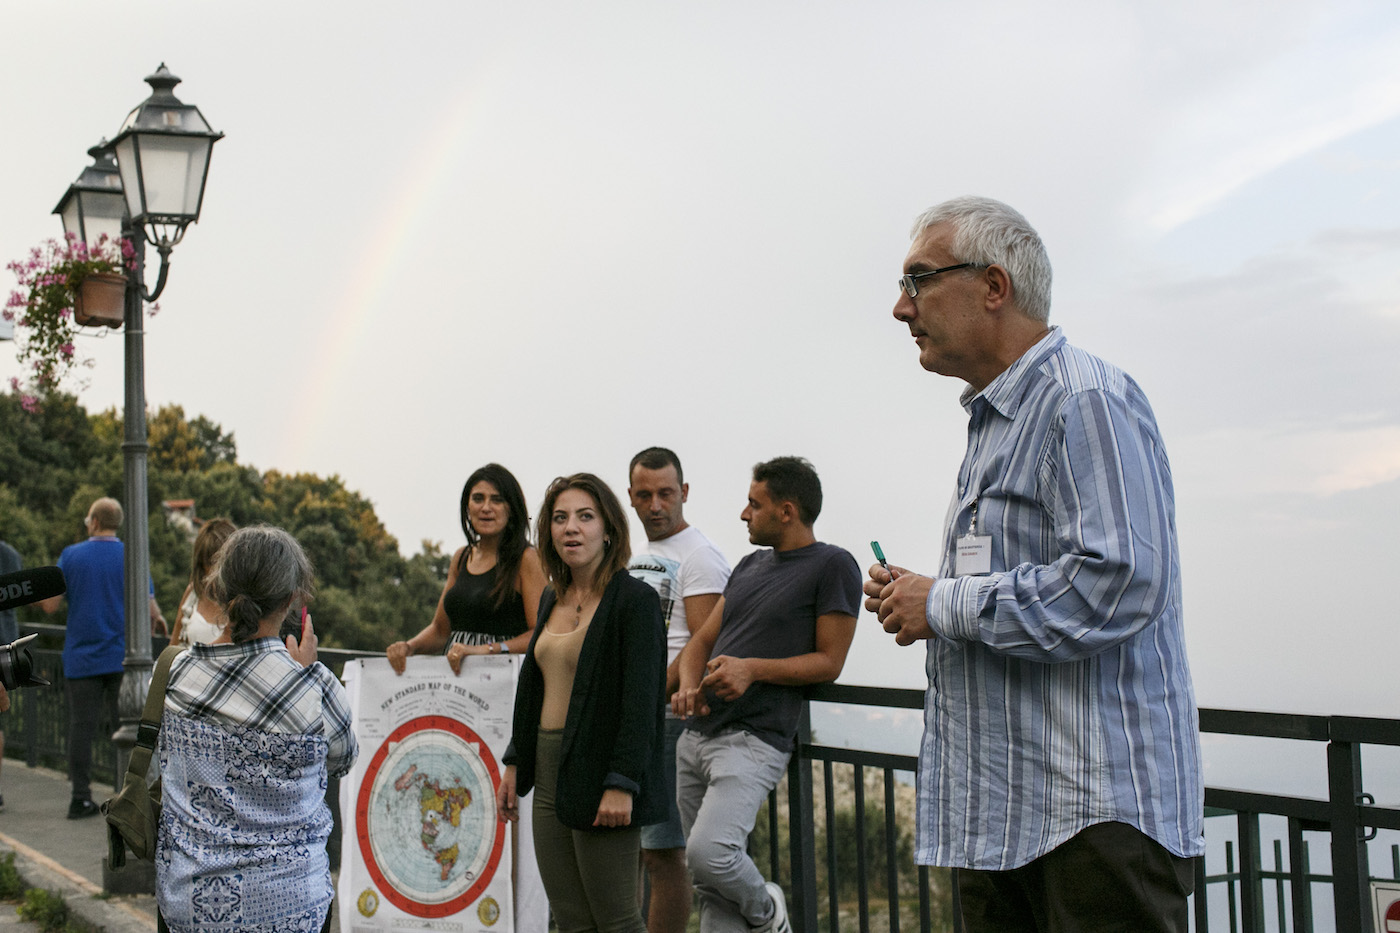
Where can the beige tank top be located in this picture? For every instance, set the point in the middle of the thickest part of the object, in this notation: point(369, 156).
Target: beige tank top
point(557, 656)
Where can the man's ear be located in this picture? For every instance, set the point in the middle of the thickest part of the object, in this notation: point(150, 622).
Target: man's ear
point(787, 511)
point(999, 288)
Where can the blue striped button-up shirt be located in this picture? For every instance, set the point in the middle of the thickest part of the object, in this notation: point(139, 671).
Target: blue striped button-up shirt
point(1059, 693)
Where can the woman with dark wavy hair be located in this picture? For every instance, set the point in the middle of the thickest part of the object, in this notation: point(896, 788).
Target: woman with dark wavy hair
point(587, 732)
point(252, 728)
point(493, 587)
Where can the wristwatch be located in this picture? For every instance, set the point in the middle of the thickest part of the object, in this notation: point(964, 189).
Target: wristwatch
point(505, 649)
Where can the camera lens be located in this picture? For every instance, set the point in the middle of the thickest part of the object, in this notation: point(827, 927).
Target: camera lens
point(17, 667)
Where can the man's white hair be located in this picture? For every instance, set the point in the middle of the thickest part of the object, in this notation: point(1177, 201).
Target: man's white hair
point(989, 232)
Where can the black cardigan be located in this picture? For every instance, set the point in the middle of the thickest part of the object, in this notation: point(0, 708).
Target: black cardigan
point(613, 731)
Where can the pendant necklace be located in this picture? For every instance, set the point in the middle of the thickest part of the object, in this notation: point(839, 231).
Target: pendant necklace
point(578, 612)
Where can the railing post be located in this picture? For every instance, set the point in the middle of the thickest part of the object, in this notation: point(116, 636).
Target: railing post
point(1298, 878)
point(1351, 873)
point(802, 845)
point(31, 731)
point(1201, 896)
point(1251, 862)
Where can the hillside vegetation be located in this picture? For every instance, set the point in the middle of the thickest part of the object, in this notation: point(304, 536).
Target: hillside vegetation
point(55, 462)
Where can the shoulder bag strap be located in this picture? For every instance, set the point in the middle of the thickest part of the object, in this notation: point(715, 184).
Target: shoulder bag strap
point(149, 729)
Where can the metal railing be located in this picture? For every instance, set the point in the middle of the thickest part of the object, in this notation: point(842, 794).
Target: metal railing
point(846, 858)
point(901, 895)
point(42, 737)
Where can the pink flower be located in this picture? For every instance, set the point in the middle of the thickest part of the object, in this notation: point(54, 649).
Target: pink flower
point(29, 403)
point(67, 350)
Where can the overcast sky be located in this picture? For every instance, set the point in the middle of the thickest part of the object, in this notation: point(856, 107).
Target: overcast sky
point(439, 234)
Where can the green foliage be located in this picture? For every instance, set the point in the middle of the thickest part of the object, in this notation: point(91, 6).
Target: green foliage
point(876, 854)
point(55, 462)
point(11, 884)
point(185, 446)
point(46, 908)
point(847, 844)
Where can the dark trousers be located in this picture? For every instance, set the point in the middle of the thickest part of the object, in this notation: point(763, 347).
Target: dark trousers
point(590, 878)
point(92, 702)
point(1108, 878)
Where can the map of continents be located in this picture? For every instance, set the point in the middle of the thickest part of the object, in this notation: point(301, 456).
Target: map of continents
point(427, 820)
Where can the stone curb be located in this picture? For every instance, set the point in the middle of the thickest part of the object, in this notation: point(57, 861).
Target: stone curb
point(108, 914)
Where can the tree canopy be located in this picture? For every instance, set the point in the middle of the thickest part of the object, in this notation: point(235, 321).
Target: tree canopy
point(56, 461)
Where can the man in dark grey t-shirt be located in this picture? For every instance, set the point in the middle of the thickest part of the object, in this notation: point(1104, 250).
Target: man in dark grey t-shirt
point(786, 620)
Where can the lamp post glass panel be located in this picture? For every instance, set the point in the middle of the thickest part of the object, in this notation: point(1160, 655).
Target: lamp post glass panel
point(161, 162)
point(94, 205)
point(163, 154)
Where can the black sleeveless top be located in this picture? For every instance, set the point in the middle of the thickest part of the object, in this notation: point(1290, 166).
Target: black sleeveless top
point(473, 614)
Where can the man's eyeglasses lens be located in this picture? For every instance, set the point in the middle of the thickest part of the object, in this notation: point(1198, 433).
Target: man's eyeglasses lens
point(910, 281)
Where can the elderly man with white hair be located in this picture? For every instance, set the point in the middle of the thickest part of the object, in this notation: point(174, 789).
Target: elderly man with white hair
point(1060, 768)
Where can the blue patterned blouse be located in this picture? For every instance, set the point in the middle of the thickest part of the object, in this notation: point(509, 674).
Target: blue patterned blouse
point(247, 741)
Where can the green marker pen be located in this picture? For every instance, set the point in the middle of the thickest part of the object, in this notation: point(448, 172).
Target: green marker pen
point(880, 556)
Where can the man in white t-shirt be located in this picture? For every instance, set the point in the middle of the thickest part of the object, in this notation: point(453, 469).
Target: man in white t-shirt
point(689, 573)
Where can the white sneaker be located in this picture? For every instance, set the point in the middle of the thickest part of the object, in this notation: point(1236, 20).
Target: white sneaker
point(779, 921)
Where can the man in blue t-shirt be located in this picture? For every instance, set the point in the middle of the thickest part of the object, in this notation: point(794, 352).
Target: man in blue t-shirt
point(786, 620)
point(94, 646)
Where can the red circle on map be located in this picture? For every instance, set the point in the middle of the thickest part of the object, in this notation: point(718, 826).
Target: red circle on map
point(395, 896)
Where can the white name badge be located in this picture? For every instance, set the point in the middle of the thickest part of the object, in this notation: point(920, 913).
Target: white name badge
point(974, 555)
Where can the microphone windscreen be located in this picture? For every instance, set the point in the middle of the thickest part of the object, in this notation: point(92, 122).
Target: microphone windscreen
point(29, 586)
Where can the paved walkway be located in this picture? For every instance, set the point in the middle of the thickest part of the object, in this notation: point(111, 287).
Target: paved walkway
point(63, 855)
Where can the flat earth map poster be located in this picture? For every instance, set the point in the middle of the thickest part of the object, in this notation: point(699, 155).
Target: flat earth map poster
point(422, 849)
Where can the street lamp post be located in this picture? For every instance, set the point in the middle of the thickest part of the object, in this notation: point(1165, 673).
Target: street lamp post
point(159, 162)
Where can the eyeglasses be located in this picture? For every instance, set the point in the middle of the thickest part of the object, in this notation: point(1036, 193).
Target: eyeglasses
point(910, 280)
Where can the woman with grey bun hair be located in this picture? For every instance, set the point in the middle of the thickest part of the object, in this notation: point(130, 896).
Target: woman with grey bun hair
point(253, 726)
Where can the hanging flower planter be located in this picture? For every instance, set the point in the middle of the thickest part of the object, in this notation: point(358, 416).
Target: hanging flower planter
point(63, 283)
point(100, 299)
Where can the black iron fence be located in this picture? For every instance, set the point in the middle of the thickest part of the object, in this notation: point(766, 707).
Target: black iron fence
point(42, 712)
point(838, 881)
point(846, 857)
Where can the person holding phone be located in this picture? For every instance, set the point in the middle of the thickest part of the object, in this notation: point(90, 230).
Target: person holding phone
point(587, 731)
point(252, 729)
point(492, 594)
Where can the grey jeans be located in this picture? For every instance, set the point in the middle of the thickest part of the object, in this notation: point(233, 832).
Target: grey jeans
point(721, 781)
